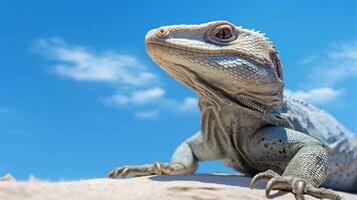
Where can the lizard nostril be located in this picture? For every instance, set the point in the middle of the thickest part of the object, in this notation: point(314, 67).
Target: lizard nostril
point(162, 31)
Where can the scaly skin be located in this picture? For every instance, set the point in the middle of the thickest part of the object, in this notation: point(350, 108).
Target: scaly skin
point(246, 120)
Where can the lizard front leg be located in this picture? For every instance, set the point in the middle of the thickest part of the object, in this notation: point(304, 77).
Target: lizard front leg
point(300, 162)
point(184, 161)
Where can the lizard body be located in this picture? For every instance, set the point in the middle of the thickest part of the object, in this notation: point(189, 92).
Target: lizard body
point(246, 120)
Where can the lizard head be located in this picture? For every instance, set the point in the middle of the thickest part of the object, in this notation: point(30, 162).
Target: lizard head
point(221, 57)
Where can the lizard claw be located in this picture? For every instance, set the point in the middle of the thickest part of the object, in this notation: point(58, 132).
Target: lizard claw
point(298, 187)
point(275, 183)
point(295, 185)
point(263, 176)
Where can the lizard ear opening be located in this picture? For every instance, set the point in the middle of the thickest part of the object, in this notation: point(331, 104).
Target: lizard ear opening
point(277, 66)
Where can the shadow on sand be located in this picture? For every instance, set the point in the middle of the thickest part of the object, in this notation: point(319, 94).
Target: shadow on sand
point(223, 179)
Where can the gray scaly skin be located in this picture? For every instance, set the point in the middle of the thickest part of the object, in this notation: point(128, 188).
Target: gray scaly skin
point(246, 121)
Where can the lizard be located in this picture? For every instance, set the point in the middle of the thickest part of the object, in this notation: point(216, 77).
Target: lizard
point(246, 120)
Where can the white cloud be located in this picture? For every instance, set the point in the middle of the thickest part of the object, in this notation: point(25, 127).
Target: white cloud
point(152, 96)
point(338, 64)
point(308, 59)
point(189, 104)
point(149, 95)
point(136, 97)
point(82, 64)
point(117, 100)
point(147, 114)
point(10, 114)
point(316, 95)
point(138, 87)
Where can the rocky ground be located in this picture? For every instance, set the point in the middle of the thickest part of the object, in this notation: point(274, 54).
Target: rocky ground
point(180, 187)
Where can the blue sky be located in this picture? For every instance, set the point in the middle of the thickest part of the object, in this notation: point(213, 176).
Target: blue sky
point(79, 95)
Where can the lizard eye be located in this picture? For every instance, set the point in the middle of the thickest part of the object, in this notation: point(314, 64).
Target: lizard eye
point(224, 34)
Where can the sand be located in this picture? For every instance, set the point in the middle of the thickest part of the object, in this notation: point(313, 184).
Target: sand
point(180, 187)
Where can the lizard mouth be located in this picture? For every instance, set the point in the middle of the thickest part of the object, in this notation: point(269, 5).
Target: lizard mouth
point(152, 44)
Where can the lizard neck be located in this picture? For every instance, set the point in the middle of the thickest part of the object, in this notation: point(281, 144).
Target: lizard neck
point(225, 128)
point(243, 105)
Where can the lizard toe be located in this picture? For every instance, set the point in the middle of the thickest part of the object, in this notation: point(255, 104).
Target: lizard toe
point(263, 176)
point(297, 186)
point(277, 183)
point(286, 183)
point(323, 193)
point(136, 170)
point(115, 173)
